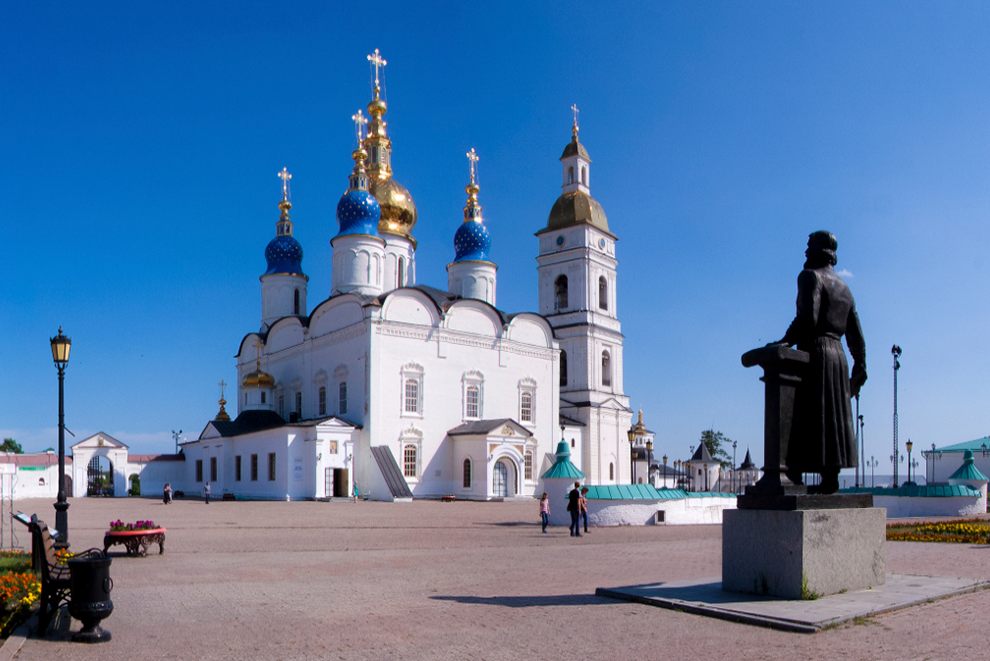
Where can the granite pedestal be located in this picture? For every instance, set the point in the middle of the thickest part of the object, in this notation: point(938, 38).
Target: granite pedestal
point(803, 554)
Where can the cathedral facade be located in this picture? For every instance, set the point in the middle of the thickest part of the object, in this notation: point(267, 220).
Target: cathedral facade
point(390, 389)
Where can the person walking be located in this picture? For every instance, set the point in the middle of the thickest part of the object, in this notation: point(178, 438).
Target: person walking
point(583, 503)
point(545, 510)
point(574, 507)
point(167, 494)
point(206, 493)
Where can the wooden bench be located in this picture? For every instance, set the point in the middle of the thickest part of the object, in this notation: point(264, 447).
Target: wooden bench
point(54, 574)
point(135, 541)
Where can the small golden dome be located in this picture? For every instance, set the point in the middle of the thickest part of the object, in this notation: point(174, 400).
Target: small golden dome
point(576, 208)
point(398, 209)
point(257, 378)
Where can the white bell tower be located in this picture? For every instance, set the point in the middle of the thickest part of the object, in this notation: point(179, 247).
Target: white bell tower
point(577, 281)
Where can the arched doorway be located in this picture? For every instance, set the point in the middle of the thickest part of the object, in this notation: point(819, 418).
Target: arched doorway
point(99, 477)
point(503, 479)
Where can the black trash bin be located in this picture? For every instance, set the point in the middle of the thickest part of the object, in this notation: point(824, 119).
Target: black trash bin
point(90, 585)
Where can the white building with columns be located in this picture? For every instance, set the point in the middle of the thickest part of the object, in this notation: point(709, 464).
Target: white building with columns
point(391, 389)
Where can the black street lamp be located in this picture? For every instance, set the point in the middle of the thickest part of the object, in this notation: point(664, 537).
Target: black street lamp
point(665, 471)
point(732, 474)
point(862, 441)
point(909, 445)
point(872, 463)
point(60, 354)
point(649, 462)
point(632, 455)
point(175, 437)
point(895, 351)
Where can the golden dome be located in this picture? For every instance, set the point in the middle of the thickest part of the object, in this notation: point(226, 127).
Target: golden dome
point(257, 378)
point(398, 209)
point(576, 208)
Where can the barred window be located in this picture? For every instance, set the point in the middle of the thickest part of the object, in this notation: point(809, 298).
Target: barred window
point(528, 467)
point(213, 469)
point(281, 405)
point(323, 400)
point(412, 396)
point(409, 461)
point(342, 397)
point(471, 409)
point(271, 466)
point(467, 473)
point(526, 407)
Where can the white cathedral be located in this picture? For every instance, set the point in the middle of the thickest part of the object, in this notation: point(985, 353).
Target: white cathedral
point(390, 389)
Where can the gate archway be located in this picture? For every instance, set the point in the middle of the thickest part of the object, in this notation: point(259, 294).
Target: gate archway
point(99, 476)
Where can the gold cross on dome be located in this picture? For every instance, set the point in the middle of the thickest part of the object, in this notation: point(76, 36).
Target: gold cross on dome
point(222, 385)
point(257, 345)
point(359, 123)
point(376, 61)
point(473, 157)
point(284, 176)
point(576, 111)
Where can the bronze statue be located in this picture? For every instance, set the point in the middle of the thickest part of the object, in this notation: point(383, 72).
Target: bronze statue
point(823, 440)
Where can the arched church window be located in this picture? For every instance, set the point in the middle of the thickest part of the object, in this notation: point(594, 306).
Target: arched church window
point(409, 461)
point(323, 400)
point(526, 407)
point(602, 293)
point(563, 368)
point(611, 471)
point(295, 303)
point(299, 404)
point(401, 280)
point(572, 442)
point(263, 397)
point(467, 474)
point(606, 369)
point(584, 175)
point(412, 396)
point(560, 289)
point(570, 175)
point(342, 398)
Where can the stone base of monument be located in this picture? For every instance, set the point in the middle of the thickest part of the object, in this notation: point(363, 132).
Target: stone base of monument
point(803, 554)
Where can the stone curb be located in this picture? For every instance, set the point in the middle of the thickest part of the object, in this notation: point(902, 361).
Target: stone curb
point(13, 644)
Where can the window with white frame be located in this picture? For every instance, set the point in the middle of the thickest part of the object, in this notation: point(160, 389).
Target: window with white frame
point(527, 401)
point(528, 466)
point(606, 369)
point(409, 461)
point(342, 397)
point(281, 404)
point(411, 392)
point(323, 400)
point(299, 404)
point(473, 385)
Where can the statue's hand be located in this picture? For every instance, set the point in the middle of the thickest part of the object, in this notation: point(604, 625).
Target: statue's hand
point(857, 379)
point(778, 343)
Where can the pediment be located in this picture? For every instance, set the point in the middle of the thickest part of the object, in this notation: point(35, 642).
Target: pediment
point(99, 440)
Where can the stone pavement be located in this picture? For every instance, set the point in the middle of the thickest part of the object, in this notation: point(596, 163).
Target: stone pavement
point(429, 580)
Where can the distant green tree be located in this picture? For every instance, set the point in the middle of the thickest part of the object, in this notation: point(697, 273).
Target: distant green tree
point(10, 445)
point(718, 445)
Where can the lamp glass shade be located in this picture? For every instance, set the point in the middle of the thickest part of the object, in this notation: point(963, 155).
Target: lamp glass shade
point(909, 445)
point(60, 348)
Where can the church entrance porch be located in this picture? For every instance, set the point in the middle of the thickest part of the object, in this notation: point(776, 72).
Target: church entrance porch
point(503, 479)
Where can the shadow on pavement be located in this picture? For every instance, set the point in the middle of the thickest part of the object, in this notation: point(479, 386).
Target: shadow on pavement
point(526, 602)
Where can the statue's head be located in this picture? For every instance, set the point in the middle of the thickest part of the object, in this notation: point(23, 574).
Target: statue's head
point(821, 249)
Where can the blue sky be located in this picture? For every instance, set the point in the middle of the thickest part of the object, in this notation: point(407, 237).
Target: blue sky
point(139, 144)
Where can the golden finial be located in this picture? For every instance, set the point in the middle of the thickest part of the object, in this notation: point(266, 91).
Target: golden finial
point(222, 414)
point(574, 129)
point(284, 224)
point(257, 346)
point(285, 176)
point(377, 61)
point(472, 211)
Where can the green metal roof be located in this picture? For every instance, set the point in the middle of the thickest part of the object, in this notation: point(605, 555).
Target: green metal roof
point(914, 491)
point(562, 467)
point(645, 492)
point(975, 446)
point(968, 471)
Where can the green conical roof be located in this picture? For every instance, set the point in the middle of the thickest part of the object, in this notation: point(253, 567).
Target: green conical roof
point(968, 471)
point(562, 467)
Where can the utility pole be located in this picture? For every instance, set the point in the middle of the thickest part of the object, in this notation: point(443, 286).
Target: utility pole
point(895, 351)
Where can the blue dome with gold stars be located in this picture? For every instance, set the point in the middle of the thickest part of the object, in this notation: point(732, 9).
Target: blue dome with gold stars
point(472, 242)
point(284, 255)
point(358, 212)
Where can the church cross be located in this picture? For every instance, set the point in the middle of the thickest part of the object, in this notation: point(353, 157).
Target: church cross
point(285, 176)
point(221, 384)
point(473, 157)
point(576, 111)
point(359, 123)
point(257, 345)
point(377, 61)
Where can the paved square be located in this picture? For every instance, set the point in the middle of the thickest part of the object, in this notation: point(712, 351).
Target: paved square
point(429, 580)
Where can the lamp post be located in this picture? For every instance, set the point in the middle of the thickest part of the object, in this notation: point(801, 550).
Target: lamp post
point(872, 463)
point(895, 351)
point(862, 440)
point(60, 354)
point(632, 455)
point(665, 471)
point(893, 459)
point(856, 432)
point(909, 445)
point(732, 473)
point(175, 437)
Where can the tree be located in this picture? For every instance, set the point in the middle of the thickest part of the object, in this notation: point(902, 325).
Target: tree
point(714, 441)
point(10, 445)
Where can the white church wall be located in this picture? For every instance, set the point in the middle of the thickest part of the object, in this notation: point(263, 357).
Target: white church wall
point(335, 314)
point(284, 334)
point(905, 506)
